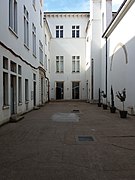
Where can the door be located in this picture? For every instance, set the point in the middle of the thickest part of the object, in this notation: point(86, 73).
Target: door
point(42, 91)
point(59, 90)
point(75, 90)
point(34, 93)
point(13, 94)
point(87, 91)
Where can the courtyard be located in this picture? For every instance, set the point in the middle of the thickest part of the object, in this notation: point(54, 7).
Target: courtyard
point(68, 141)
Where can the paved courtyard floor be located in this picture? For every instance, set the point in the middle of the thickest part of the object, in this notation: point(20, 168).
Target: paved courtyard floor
point(68, 141)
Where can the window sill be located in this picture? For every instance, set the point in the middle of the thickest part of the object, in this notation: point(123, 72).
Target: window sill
point(34, 7)
point(34, 56)
point(5, 107)
point(26, 47)
point(41, 63)
point(20, 104)
point(59, 72)
point(27, 102)
point(13, 32)
point(76, 72)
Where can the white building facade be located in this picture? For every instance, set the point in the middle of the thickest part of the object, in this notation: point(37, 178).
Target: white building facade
point(22, 72)
point(68, 60)
point(65, 55)
point(110, 52)
point(120, 39)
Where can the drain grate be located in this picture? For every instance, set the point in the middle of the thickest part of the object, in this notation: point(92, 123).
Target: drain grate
point(76, 110)
point(85, 138)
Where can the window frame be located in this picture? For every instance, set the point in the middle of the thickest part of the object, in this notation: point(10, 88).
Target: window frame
point(59, 31)
point(26, 27)
point(40, 52)
point(75, 31)
point(5, 89)
point(75, 64)
point(26, 90)
point(13, 16)
point(59, 64)
point(34, 40)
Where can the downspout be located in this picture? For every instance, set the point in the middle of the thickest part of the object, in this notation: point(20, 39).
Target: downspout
point(106, 70)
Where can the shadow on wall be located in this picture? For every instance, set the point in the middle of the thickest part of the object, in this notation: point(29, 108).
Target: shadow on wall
point(121, 71)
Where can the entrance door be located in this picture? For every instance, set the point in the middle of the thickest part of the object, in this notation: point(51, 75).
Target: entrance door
point(87, 91)
point(59, 90)
point(34, 93)
point(13, 94)
point(75, 90)
point(42, 91)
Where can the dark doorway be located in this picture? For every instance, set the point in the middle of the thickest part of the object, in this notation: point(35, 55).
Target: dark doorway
point(75, 90)
point(59, 90)
point(13, 94)
point(34, 93)
point(42, 91)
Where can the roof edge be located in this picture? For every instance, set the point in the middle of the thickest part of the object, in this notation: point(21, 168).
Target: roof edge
point(116, 16)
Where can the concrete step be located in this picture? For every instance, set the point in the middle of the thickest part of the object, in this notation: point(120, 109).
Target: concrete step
point(16, 118)
point(36, 108)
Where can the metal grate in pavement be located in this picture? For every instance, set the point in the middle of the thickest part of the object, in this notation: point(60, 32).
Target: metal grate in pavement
point(76, 110)
point(85, 138)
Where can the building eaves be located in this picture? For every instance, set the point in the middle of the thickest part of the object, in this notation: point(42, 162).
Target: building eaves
point(66, 14)
point(117, 18)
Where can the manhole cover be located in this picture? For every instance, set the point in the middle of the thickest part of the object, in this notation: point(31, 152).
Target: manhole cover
point(85, 138)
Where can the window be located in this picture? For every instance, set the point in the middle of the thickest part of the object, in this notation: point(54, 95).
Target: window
point(26, 27)
point(49, 65)
point(75, 63)
point(13, 15)
point(41, 52)
point(59, 31)
point(75, 31)
point(13, 66)
point(41, 18)
point(103, 19)
point(45, 61)
point(5, 89)
point(19, 70)
point(48, 46)
point(34, 4)
point(34, 77)
point(19, 90)
point(5, 63)
point(45, 39)
point(59, 64)
point(26, 90)
point(34, 39)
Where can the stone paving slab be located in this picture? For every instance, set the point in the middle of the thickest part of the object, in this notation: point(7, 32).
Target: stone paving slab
point(41, 148)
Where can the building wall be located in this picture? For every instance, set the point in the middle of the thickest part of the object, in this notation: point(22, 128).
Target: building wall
point(12, 47)
point(95, 49)
point(121, 43)
point(47, 58)
point(68, 47)
point(88, 62)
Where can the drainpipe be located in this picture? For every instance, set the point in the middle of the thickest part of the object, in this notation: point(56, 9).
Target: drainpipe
point(92, 79)
point(106, 70)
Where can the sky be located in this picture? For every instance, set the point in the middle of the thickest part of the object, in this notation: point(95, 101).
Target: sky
point(73, 5)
